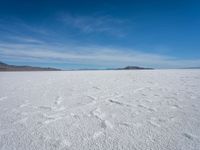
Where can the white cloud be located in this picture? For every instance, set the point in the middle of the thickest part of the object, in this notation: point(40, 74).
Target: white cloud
point(91, 55)
point(19, 46)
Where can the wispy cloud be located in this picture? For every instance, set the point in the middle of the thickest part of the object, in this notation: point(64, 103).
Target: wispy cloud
point(96, 24)
point(94, 55)
point(20, 32)
point(11, 24)
point(17, 45)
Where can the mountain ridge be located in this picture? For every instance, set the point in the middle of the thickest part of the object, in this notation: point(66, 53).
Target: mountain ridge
point(134, 68)
point(7, 67)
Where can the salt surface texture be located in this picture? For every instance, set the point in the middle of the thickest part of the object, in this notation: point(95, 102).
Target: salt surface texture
point(101, 110)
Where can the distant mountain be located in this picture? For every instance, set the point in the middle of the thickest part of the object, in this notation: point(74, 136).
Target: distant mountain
point(134, 68)
point(125, 68)
point(191, 68)
point(6, 67)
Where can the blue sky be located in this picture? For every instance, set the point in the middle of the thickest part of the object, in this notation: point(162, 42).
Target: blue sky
point(100, 34)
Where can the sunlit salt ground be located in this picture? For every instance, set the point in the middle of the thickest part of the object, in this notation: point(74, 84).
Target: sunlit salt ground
point(101, 110)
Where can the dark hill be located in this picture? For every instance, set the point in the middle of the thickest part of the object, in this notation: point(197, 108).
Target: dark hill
point(6, 67)
point(134, 68)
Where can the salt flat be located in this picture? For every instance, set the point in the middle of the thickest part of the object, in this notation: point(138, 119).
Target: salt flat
point(100, 110)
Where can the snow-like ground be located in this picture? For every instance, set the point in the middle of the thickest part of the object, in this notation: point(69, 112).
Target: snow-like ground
point(100, 110)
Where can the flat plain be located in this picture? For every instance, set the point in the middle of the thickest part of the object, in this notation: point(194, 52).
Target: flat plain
point(100, 110)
